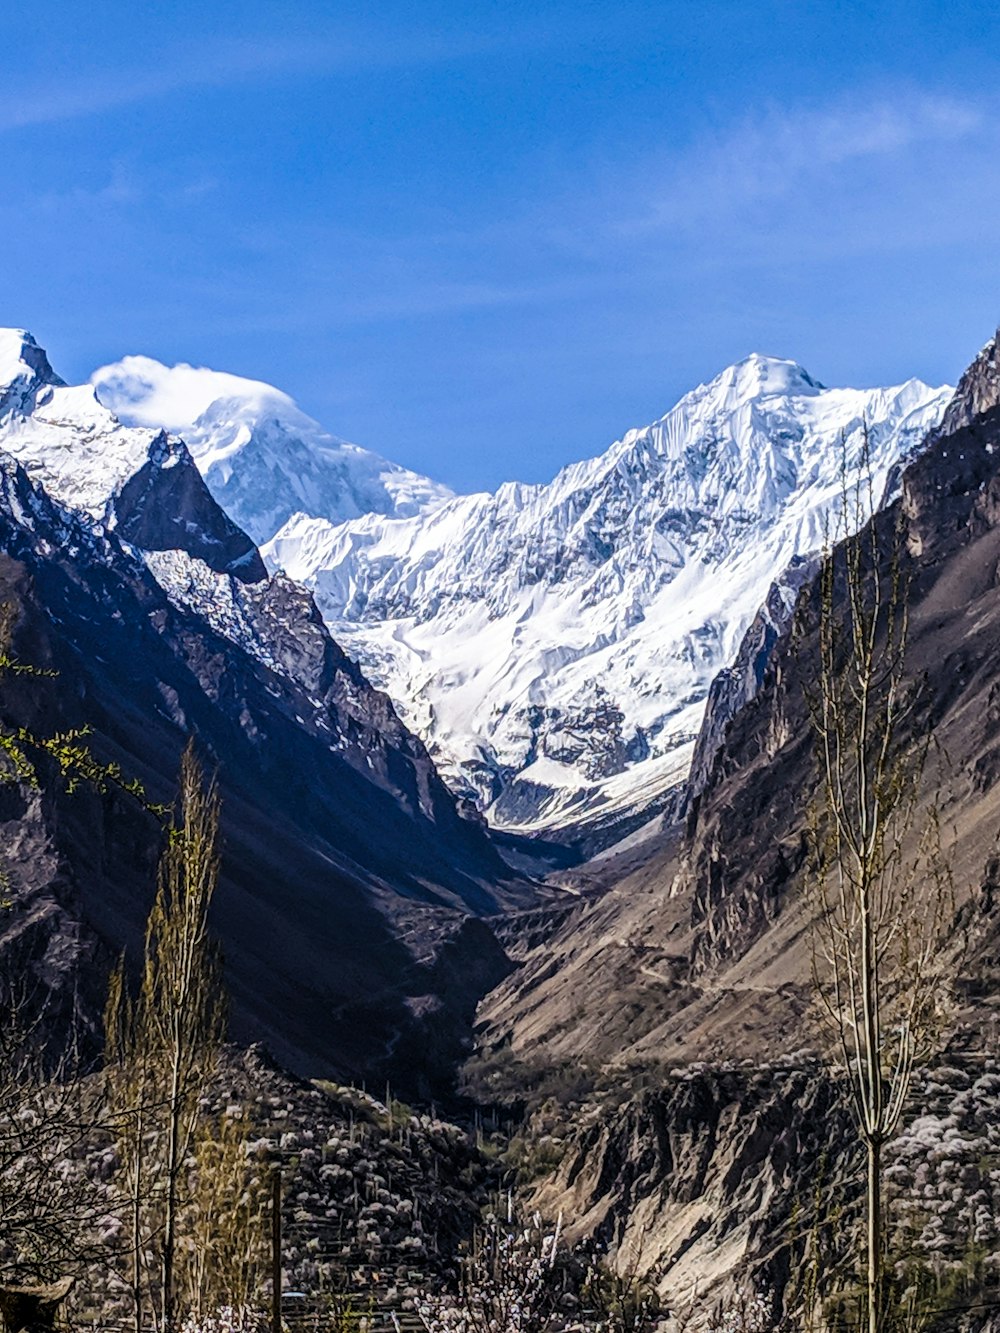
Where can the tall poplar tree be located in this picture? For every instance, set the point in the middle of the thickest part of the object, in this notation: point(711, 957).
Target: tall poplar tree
point(163, 1048)
point(884, 894)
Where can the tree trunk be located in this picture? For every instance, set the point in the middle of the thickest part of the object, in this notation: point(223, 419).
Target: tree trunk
point(137, 1220)
point(875, 1257)
point(172, 1171)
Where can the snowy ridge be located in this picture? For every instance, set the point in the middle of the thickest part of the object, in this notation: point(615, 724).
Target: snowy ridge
point(231, 608)
point(79, 452)
point(65, 438)
point(263, 459)
point(75, 449)
point(553, 645)
point(548, 641)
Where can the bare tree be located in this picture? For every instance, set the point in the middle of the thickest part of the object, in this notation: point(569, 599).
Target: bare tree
point(49, 1116)
point(129, 1080)
point(181, 1000)
point(883, 889)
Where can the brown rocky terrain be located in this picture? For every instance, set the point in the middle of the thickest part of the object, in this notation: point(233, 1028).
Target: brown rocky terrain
point(706, 925)
point(698, 955)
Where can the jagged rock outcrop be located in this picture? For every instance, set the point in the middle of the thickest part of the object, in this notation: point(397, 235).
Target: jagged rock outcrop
point(736, 1179)
point(978, 390)
point(707, 1182)
point(166, 506)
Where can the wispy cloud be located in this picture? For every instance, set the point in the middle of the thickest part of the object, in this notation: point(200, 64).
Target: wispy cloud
point(776, 152)
point(223, 63)
point(123, 187)
point(791, 183)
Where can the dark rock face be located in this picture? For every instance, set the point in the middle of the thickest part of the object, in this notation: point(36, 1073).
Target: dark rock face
point(348, 872)
point(747, 829)
point(166, 506)
point(736, 685)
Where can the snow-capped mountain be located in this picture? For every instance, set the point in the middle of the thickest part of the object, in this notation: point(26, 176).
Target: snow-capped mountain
point(263, 459)
point(350, 873)
point(554, 644)
point(132, 497)
point(139, 483)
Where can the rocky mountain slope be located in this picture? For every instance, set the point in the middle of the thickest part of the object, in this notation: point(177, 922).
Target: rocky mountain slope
point(351, 881)
point(703, 934)
point(720, 1180)
point(691, 976)
point(553, 645)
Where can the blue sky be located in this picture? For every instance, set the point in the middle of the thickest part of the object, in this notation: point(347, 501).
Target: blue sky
point(487, 238)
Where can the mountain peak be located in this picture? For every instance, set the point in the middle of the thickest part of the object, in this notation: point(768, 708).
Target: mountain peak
point(263, 458)
point(760, 376)
point(13, 344)
point(24, 368)
point(555, 644)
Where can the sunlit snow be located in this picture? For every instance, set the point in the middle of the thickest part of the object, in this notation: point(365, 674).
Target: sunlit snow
point(263, 458)
point(565, 635)
point(552, 644)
